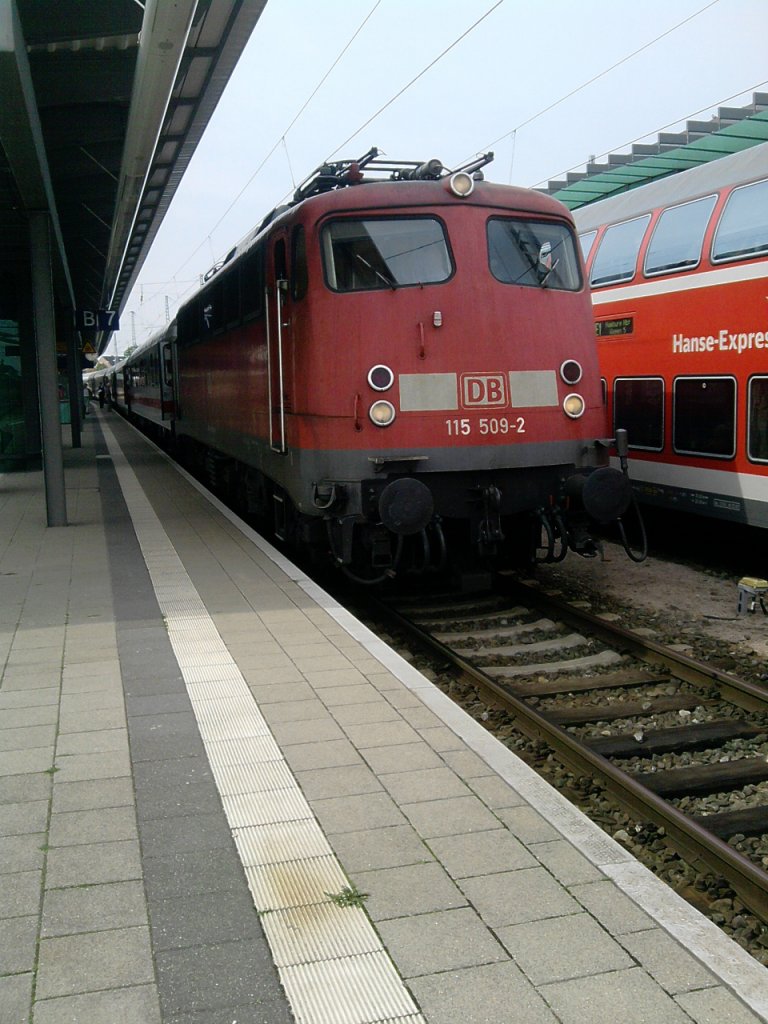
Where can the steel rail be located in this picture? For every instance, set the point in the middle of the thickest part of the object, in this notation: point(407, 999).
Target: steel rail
point(698, 846)
point(748, 695)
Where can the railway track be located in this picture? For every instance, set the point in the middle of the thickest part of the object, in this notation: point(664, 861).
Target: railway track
point(659, 729)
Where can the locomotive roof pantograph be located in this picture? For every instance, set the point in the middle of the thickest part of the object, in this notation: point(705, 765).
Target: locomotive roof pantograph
point(341, 173)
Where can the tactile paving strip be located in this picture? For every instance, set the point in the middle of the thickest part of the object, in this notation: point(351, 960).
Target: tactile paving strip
point(331, 961)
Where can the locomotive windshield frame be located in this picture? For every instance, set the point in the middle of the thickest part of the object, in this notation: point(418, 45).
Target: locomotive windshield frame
point(370, 253)
point(533, 253)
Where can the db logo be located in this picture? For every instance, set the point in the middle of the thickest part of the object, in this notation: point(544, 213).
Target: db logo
point(488, 389)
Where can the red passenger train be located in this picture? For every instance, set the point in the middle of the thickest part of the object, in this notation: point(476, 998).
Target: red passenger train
point(397, 369)
point(679, 276)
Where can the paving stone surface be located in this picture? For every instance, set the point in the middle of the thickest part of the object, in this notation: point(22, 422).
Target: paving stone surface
point(128, 894)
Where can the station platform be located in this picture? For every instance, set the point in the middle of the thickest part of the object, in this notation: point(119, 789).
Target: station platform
point(223, 799)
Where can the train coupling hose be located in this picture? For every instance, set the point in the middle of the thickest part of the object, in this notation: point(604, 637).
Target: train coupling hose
point(622, 448)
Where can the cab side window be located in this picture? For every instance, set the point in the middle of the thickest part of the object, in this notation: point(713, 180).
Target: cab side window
point(299, 278)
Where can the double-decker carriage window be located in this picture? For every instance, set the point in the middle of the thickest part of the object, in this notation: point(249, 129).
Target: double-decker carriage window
point(586, 241)
point(616, 257)
point(379, 252)
point(638, 408)
point(704, 416)
point(537, 254)
point(252, 284)
point(299, 279)
point(757, 434)
point(678, 237)
point(743, 227)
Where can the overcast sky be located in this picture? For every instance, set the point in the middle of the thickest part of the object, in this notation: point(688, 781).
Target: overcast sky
point(512, 84)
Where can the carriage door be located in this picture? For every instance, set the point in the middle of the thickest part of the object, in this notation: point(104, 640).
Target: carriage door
point(278, 326)
point(166, 382)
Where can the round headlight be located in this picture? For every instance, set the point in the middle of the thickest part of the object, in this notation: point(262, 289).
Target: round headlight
point(382, 413)
point(573, 406)
point(462, 184)
point(381, 377)
point(571, 371)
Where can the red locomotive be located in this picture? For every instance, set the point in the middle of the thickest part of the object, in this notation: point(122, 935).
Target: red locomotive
point(397, 369)
point(679, 270)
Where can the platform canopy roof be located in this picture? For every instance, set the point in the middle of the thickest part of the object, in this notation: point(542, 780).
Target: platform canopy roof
point(102, 104)
point(731, 130)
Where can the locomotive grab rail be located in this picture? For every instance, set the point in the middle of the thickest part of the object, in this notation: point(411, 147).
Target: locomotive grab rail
point(280, 286)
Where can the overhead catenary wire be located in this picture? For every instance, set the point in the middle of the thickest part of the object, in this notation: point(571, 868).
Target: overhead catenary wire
point(280, 141)
point(421, 74)
point(595, 78)
point(656, 131)
point(284, 142)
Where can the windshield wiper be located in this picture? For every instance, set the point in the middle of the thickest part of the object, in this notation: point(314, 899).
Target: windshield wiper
point(388, 281)
point(540, 271)
point(543, 278)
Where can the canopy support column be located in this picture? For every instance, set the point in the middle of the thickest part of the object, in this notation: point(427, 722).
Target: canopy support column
point(75, 380)
point(47, 376)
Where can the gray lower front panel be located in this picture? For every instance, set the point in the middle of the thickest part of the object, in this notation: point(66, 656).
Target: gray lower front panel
point(525, 473)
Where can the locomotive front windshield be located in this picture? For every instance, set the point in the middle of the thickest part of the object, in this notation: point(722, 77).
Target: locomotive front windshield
point(360, 255)
point(537, 254)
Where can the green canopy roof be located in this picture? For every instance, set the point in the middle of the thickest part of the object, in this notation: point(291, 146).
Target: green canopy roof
point(730, 131)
